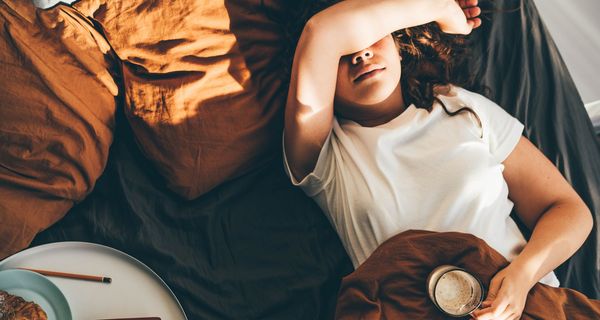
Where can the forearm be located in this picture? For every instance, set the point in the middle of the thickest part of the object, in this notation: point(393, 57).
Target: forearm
point(342, 29)
point(348, 27)
point(369, 21)
point(560, 231)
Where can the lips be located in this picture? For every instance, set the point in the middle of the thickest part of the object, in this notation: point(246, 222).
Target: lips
point(367, 71)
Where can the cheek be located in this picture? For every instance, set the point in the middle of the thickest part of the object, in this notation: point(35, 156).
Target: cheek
point(395, 66)
point(398, 70)
point(343, 87)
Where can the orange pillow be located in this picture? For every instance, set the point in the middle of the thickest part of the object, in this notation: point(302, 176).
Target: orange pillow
point(57, 107)
point(202, 84)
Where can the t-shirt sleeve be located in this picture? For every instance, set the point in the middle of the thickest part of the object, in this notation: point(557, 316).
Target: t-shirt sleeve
point(501, 130)
point(315, 181)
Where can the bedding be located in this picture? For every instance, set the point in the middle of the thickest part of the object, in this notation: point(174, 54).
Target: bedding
point(391, 284)
point(593, 109)
point(249, 245)
point(57, 105)
point(202, 84)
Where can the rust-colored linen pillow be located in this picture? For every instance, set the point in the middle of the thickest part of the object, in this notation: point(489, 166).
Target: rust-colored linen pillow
point(57, 107)
point(202, 84)
point(391, 283)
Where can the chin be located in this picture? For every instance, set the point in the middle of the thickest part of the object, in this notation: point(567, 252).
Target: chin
point(372, 96)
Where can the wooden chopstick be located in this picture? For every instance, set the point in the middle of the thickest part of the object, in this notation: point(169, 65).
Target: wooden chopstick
point(72, 276)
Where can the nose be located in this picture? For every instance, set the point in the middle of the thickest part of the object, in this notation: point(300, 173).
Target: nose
point(362, 55)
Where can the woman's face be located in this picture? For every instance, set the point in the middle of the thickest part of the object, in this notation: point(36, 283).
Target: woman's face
point(369, 76)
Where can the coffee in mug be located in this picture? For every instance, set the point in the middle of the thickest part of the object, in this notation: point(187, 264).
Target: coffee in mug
point(454, 291)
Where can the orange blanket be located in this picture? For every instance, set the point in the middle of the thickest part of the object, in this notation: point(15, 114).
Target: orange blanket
point(391, 284)
point(199, 81)
point(57, 113)
point(202, 84)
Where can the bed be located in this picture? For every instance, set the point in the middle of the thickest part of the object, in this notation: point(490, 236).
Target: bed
point(199, 194)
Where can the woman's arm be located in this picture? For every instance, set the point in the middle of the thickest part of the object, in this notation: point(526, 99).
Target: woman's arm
point(344, 28)
point(560, 221)
point(548, 205)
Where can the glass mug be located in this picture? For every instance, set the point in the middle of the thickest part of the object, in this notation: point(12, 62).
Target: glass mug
point(454, 291)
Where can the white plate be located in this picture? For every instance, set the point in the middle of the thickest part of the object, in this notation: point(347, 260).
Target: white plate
point(135, 291)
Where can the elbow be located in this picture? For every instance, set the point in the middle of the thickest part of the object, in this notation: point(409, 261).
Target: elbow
point(580, 215)
point(324, 29)
point(316, 26)
point(588, 220)
point(311, 25)
point(314, 33)
point(320, 30)
point(586, 224)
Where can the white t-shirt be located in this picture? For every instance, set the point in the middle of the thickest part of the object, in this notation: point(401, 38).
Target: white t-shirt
point(422, 170)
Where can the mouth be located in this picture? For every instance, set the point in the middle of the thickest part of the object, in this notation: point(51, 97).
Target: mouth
point(368, 74)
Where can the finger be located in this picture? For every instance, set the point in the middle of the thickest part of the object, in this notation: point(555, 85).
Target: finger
point(500, 304)
point(486, 304)
point(471, 26)
point(493, 290)
point(489, 314)
point(498, 307)
point(472, 12)
point(467, 3)
point(465, 29)
point(483, 314)
point(513, 316)
point(506, 315)
point(476, 23)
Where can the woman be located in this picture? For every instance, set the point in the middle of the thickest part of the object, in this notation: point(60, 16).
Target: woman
point(382, 153)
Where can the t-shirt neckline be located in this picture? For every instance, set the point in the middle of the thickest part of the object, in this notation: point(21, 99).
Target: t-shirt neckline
point(406, 113)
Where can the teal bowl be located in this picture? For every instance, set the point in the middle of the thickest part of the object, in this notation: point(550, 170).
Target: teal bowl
point(34, 287)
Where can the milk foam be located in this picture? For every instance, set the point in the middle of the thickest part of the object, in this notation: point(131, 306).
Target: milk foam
point(457, 293)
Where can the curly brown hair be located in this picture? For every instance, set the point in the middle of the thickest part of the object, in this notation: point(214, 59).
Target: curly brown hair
point(430, 57)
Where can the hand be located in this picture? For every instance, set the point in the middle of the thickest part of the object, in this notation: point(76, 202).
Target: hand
point(506, 297)
point(461, 17)
point(472, 11)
